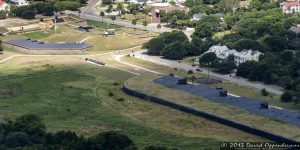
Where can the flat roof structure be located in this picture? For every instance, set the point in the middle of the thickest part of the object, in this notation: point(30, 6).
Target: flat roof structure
point(28, 45)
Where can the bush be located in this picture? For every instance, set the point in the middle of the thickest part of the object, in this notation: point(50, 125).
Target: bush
point(190, 72)
point(110, 94)
point(286, 97)
point(264, 92)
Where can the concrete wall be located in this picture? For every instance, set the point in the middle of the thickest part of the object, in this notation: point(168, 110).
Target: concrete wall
point(230, 123)
point(43, 51)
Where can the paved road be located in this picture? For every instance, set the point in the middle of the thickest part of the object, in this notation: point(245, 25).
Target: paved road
point(151, 27)
point(176, 64)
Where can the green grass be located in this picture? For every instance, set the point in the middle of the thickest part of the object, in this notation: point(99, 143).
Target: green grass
point(102, 25)
point(38, 35)
point(3, 30)
point(76, 97)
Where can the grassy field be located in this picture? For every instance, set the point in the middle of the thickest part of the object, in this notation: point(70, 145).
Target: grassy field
point(125, 37)
point(38, 35)
point(71, 95)
point(145, 84)
point(102, 25)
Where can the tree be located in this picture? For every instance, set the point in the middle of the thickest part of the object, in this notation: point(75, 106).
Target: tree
point(174, 51)
point(231, 5)
point(112, 141)
point(102, 14)
point(264, 92)
point(106, 1)
point(17, 139)
point(133, 23)
point(28, 14)
point(225, 67)
point(108, 11)
point(286, 97)
point(207, 58)
point(145, 23)
point(134, 13)
point(113, 18)
point(120, 7)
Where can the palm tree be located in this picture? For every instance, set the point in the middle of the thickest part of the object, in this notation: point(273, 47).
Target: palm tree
point(102, 14)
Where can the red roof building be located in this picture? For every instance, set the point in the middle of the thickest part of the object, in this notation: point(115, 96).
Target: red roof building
point(290, 7)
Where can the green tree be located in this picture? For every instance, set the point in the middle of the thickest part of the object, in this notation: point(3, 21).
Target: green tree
point(207, 58)
point(134, 13)
point(225, 67)
point(158, 26)
point(102, 14)
point(112, 141)
point(119, 8)
point(113, 18)
point(174, 51)
point(17, 139)
point(286, 96)
point(28, 14)
point(145, 23)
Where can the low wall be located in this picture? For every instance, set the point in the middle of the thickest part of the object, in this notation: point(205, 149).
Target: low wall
point(43, 51)
point(230, 123)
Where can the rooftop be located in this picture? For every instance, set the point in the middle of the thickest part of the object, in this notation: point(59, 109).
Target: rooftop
point(288, 4)
point(34, 44)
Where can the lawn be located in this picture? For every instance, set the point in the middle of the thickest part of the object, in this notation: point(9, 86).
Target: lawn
point(38, 35)
point(102, 25)
point(71, 95)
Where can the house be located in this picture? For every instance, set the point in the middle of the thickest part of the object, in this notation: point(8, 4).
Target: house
point(290, 7)
point(20, 2)
point(198, 16)
point(222, 52)
point(4, 6)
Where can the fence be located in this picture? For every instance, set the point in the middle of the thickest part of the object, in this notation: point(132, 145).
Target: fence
point(230, 123)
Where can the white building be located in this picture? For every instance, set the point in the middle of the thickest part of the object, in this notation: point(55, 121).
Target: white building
point(20, 2)
point(290, 7)
point(222, 52)
point(4, 6)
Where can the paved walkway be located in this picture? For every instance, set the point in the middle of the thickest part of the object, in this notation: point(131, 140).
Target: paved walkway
point(176, 64)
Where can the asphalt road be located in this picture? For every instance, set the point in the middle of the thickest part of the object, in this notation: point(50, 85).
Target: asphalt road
point(150, 27)
point(176, 64)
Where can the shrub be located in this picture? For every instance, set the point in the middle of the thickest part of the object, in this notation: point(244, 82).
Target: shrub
point(111, 94)
point(286, 97)
point(190, 72)
point(264, 92)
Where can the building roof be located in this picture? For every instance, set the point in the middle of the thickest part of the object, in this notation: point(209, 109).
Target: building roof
point(2, 2)
point(34, 44)
point(288, 4)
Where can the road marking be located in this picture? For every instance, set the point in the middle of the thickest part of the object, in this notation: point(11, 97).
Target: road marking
point(233, 95)
point(276, 107)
